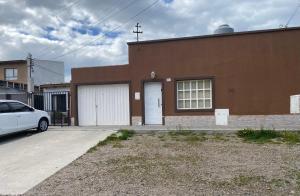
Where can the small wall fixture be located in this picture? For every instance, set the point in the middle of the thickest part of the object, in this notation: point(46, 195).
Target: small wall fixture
point(137, 96)
point(153, 75)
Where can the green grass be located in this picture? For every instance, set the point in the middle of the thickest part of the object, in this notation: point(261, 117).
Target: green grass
point(114, 139)
point(245, 180)
point(219, 137)
point(291, 137)
point(188, 136)
point(238, 181)
point(260, 136)
point(180, 133)
point(297, 173)
point(277, 182)
point(269, 136)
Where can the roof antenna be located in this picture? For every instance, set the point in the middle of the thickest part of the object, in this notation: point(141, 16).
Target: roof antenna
point(291, 17)
point(137, 31)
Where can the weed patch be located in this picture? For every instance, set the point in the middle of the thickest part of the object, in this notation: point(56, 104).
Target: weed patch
point(187, 136)
point(181, 133)
point(298, 179)
point(219, 137)
point(291, 137)
point(279, 182)
point(117, 145)
point(245, 180)
point(260, 136)
point(114, 139)
point(194, 138)
point(269, 136)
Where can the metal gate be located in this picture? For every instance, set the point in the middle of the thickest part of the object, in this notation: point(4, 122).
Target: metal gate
point(56, 103)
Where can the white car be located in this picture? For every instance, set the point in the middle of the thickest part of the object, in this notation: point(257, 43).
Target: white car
point(16, 116)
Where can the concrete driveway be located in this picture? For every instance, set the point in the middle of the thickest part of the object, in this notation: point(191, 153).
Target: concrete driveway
point(26, 159)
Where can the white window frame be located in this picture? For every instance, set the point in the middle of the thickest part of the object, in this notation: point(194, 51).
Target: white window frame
point(207, 101)
point(14, 72)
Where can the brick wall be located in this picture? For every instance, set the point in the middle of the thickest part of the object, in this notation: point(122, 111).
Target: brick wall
point(280, 122)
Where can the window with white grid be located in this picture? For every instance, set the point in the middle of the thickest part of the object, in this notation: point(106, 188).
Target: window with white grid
point(194, 94)
point(11, 74)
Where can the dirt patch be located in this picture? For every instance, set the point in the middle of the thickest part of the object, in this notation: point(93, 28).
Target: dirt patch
point(180, 164)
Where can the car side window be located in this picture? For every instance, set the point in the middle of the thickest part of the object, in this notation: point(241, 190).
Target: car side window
point(18, 107)
point(4, 108)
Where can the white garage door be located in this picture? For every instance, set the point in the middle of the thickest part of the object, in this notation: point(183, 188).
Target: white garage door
point(103, 105)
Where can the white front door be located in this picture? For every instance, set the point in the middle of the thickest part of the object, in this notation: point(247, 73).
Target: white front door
point(153, 103)
point(103, 105)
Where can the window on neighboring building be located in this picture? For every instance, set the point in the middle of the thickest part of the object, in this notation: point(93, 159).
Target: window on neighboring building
point(11, 74)
point(194, 94)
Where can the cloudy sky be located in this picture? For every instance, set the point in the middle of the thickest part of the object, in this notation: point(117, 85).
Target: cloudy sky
point(96, 32)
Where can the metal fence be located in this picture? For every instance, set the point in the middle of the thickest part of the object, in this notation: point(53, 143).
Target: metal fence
point(13, 85)
point(56, 103)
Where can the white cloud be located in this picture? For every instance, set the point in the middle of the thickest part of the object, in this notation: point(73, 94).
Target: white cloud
point(46, 28)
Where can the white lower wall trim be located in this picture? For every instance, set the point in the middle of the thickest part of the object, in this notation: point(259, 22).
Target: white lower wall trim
point(281, 122)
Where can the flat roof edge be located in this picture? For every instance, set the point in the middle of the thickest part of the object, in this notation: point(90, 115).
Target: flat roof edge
point(215, 35)
point(101, 66)
point(13, 62)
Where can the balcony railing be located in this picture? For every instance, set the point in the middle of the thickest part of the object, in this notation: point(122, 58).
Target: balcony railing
point(14, 85)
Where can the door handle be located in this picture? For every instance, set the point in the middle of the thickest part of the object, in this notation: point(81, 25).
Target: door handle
point(158, 103)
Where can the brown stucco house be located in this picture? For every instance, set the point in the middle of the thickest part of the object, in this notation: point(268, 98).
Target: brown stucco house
point(183, 81)
point(14, 71)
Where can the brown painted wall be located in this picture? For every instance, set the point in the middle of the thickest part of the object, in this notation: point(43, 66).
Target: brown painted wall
point(96, 75)
point(22, 71)
point(255, 73)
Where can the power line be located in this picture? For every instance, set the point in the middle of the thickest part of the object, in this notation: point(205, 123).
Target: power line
point(110, 15)
point(60, 11)
point(68, 6)
point(65, 8)
point(45, 68)
point(117, 13)
point(131, 18)
point(292, 16)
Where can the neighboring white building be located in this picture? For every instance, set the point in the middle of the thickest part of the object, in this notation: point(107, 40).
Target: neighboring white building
point(48, 72)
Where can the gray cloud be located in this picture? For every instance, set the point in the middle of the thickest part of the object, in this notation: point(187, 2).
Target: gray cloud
point(47, 28)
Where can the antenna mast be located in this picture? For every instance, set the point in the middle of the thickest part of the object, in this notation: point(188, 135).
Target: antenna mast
point(137, 31)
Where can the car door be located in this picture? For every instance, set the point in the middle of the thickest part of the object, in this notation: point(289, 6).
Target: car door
point(8, 120)
point(26, 117)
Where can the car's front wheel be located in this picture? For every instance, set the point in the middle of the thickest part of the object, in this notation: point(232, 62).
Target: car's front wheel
point(43, 125)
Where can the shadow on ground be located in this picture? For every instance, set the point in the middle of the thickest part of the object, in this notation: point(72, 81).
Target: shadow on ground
point(16, 136)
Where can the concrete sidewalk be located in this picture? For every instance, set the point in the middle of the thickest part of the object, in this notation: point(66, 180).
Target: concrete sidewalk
point(151, 128)
point(166, 128)
point(27, 160)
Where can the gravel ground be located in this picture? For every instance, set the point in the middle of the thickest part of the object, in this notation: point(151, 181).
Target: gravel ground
point(164, 164)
